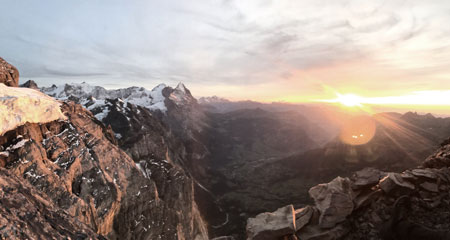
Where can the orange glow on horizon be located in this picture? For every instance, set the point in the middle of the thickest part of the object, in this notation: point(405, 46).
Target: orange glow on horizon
point(435, 100)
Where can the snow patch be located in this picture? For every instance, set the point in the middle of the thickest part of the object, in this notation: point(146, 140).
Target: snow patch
point(101, 115)
point(21, 105)
point(138, 165)
point(19, 144)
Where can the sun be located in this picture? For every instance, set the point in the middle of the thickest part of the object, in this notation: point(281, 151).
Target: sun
point(349, 100)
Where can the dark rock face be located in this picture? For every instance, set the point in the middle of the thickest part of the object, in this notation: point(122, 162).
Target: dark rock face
point(376, 211)
point(78, 166)
point(9, 75)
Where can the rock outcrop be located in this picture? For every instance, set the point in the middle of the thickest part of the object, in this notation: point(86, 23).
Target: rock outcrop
point(9, 75)
point(30, 84)
point(267, 226)
point(19, 106)
point(367, 205)
point(334, 200)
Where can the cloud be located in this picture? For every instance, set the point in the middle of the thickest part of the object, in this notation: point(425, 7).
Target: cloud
point(57, 73)
point(236, 43)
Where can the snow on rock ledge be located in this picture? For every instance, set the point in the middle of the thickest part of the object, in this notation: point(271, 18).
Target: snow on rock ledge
point(21, 105)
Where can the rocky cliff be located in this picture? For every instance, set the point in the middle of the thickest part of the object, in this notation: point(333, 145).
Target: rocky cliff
point(158, 129)
point(78, 166)
point(73, 178)
point(372, 204)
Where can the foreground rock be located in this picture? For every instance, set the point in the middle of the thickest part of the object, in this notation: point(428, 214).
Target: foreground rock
point(9, 75)
point(267, 226)
point(334, 201)
point(19, 106)
point(371, 205)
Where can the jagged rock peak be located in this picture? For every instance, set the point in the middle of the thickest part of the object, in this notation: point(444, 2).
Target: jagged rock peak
point(181, 87)
point(9, 75)
point(182, 95)
point(30, 84)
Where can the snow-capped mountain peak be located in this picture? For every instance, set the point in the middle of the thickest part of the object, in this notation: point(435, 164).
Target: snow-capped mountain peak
point(91, 96)
point(94, 98)
point(181, 95)
point(181, 87)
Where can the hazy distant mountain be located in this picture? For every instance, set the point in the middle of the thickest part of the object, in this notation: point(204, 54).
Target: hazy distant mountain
point(212, 100)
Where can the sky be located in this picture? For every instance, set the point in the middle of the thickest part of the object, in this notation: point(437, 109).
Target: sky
point(280, 50)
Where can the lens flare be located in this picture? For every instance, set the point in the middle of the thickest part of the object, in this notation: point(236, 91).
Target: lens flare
point(358, 130)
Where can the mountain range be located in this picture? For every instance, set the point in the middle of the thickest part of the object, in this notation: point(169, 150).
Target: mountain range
point(158, 164)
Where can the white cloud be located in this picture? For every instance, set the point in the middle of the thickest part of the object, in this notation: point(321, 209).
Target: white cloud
point(224, 42)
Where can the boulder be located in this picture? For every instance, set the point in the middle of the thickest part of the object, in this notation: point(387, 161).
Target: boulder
point(366, 197)
point(425, 173)
point(316, 233)
point(394, 181)
point(334, 201)
point(429, 186)
point(407, 175)
point(269, 226)
point(367, 177)
point(302, 216)
point(9, 75)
